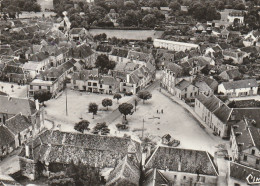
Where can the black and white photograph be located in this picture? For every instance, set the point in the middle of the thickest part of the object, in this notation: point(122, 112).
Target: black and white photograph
point(129, 92)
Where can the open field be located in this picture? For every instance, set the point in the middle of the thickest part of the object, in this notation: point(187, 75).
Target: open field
point(128, 34)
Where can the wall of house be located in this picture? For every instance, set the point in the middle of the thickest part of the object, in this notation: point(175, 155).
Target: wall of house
point(233, 182)
point(118, 59)
point(237, 92)
point(218, 126)
point(250, 157)
point(175, 46)
point(182, 178)
point(28, 168)
point(232, 18)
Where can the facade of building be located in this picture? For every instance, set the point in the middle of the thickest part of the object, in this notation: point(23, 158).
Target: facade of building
point(239, 88)
point(173, 166)
point(173, 45)
point(245, 143)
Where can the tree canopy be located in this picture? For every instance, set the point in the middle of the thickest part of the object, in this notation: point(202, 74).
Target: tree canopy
point(125, 109)
point(117, 96)
point(93, 108)
point(107, 102)
point(82, 126)
point(144, 95)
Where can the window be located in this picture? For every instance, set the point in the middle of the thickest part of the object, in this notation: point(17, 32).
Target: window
point(236, 184)
point(49, 88)
point(175, 176)
point(31, 87)
point(110, 86)
point(257, 161)
point(89, 83)
point(95, 84)
point(100, 86)
point(184, 177)
point(245, 158)
point(40, 87)
point(202, 179)
point(253, 152)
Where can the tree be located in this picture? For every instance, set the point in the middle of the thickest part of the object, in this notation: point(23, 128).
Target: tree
point(149, 20)
point(104, 64)
point(144, 95)
point(82, 126)
point(125, 109)
point(175, 6)
point(107, 102)
point(42, 96)
point(93, 108)
point(130, 5)
point(117, 96)
point(240, 6)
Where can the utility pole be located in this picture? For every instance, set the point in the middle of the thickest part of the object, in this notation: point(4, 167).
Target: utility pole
point(143, 130)
point(66, 103)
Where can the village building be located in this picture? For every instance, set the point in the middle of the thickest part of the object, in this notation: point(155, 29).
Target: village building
point(205, 106)
point(167, 166)
point(56, 149)
point(251, 38)
point(172, 75)
point(239, 88)
point(236, 55)
point(245, 143)
point(234, 16)
point(7, 141)
point(52, 80)
point(138, 79)
point(241, 175)
point(13, 73)
point(185, 90)
point(203, 87)
point(140, 58)
point(119, 55)
point(230, 75)
point(92, 81)
point(78, 34)
point(84, 53)
point(173, 45)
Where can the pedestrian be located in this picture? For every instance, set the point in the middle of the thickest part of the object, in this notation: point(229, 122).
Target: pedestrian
point(162, 111)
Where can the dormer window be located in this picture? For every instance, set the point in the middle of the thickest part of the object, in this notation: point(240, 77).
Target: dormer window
point(253, 152)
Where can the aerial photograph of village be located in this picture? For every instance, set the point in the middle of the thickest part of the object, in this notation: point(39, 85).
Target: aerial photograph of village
point(129, 92)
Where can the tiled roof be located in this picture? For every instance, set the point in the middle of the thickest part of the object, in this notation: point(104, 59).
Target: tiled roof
point(18, 123)
point(250, 113)
point(248, 83)
point(203, 86)
point(231, 74)
point(127, 172)
point(140, 56)
point(154, 177)
point(81, 51)
point(104, 48)
point(13, 69)
point(121, 52)
point(38, 57)
point(182, 84)
point(180, 55)
point(182, 160)
point(108, 80)
point(223, 113)
point(211, 102)
point(6, 137)
point(176, 69)
point(14, 106)
point(93, 150)
point(241, 172)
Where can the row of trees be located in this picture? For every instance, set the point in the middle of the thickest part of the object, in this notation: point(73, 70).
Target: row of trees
point(14, 7)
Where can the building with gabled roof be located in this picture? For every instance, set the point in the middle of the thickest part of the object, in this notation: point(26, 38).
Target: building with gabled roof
point(174, 45)
point(140, 58)
point(185, 90)
point(181, 166)
point(205, 106)
point(247, 87)
point(127, 172)
point(242, 175)
point(7, 140)
point(245, 143)
point(57, 149)
point(119, 55)
point(230, 75)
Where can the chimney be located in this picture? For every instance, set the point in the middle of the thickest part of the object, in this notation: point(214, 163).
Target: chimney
point(179, 166)
point(27, 151)
point(37, 104)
